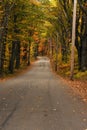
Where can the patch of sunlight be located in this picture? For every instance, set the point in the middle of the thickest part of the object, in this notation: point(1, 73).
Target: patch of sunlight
point(80, 74)
point(68, 73)
point(53, 2)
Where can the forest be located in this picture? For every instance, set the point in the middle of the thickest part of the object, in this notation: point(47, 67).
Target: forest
point(29, 28)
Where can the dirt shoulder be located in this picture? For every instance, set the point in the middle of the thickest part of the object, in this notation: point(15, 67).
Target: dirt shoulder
point(78, 86)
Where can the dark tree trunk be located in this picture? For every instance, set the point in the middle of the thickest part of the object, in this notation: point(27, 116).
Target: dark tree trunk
point(17, 66)
point(78, 43)
point(79, 57)
point(15, 56)
point(64, 51)
point(84, 45)
point(84, 54)
point(81, 44)
point(3, 35)
point(28, 63)
point(1, 59)
point(12, 59)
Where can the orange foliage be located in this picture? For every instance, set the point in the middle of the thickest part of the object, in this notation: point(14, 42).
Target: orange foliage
point(41, 45)
point(35, 36)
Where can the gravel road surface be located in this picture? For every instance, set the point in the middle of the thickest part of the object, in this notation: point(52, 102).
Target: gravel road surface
point(38, 100)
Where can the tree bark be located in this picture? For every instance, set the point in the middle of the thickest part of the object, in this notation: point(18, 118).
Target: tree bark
point(12, 59)
point(29, 45)
point(17, 66)
point(3, 35)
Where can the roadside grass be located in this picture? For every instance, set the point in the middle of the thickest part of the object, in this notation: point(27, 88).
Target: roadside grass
point(81, 75)
point(64, 70)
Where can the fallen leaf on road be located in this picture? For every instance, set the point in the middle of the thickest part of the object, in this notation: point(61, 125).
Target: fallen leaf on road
point(74, 111)
point(84, 100)
point(54, 109)
point(3, 98)
point(84, 120)
point(58, 103)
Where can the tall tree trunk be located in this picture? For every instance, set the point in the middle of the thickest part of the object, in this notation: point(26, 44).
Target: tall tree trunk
point(84, 54)
point(1, 66)
point(15, 56)
point(56, 61)
point(29, 45)
point(84, 44)
point(82, 51)
point(3, 35)
point(12, 59)
point(17, 66)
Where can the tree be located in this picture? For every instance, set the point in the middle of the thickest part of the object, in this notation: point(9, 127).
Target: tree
point(81, 32)
point(6, 7)
point(19, 22)
point(73, 39)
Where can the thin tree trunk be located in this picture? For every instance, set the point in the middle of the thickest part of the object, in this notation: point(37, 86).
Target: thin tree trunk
point(56, 62)
point(28, 53)
point(17, 66)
